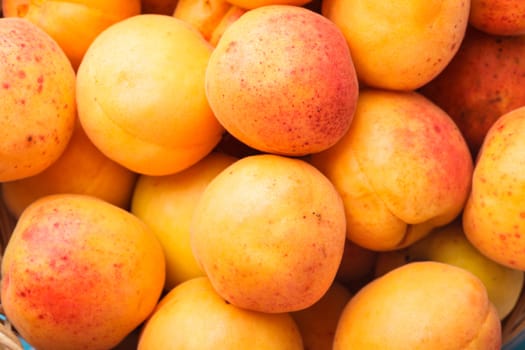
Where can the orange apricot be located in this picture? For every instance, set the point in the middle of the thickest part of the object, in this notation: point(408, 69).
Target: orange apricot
point(141, 96)
point(269, 232)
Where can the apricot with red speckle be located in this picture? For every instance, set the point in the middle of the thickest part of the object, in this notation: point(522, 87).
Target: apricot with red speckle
point(79, 273)
point(402, 169)
point(281, 79)
point(498, 17)
point(37, 90)
point(494, 216)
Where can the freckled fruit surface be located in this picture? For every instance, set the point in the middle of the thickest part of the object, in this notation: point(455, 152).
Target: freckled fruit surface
point(494, 216)
point(37, 94)
point(80, 169)
point(402, 169)
point(483, 81)
point(498, 17)
point(269, 231)
point(281, 79)
point(79, 273)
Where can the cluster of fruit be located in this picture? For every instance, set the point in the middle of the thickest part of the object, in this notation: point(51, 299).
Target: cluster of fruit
point(293, 174)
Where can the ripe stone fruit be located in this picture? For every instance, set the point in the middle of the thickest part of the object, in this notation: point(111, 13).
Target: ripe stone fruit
point(79, 273)
point(494, 216)
point(422, 305)
point(281, 79)
point(402, 169)
point(37, 90)
point(482, 82)
point(498, 17)
point(193, 316)
point(166, 204)
point(141, 98)
point(269, 232)
point(400, 45)
point(74, 24)
point(81, 169)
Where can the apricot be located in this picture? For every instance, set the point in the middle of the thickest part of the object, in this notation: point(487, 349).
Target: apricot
point(498, 17)
point(37, 90)
point(79, 273)
point(494, 218)
point(166, 204)
point(402, 169)
point(74, 24)
point(281, 79)
point(421, 305)
point(269, 232)
point(483, 81)
point(80, 169)
point(193, 316)
point(400, 45)
point(141, 98)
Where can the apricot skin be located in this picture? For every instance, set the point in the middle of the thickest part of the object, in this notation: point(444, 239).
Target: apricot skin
point(281, 79)
point(493, 218)
point(79, 273)
point(421, 305)
point(269, 232)
point(37, 90)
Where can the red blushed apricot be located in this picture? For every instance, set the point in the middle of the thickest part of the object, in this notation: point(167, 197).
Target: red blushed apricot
point(498, 17)
point(80, 273)
point(281, 79)
point(37, 90)
point(402, 169)
point(483, 81)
